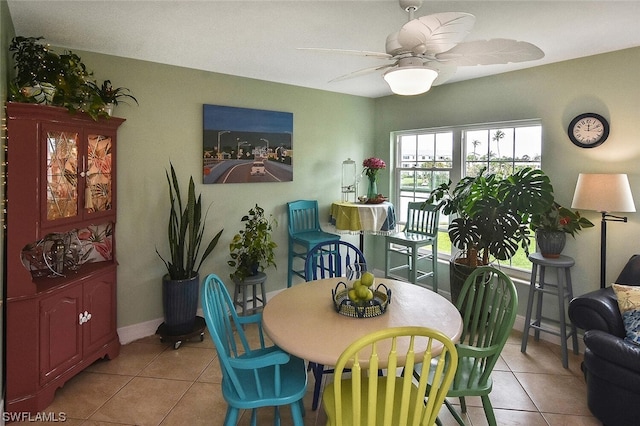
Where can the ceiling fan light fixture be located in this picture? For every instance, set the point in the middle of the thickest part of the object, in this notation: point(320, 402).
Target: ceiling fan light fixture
point(408, 81)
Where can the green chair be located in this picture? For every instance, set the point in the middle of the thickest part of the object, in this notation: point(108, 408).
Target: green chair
point(488, 303)
point(251, 377)
point(421, 230)
point(392, 399)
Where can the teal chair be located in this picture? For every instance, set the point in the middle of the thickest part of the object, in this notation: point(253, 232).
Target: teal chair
point(251, 378)
point(304, 233)
point(364, 397)
point(329, 260)
point(488, 303)
point(420, 231)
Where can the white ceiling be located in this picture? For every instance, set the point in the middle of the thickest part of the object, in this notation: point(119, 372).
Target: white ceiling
point(259, 38)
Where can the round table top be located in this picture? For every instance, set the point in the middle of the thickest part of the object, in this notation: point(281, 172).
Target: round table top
point(303, 321)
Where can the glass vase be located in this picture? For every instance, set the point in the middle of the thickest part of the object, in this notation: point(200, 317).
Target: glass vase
point(372, 189)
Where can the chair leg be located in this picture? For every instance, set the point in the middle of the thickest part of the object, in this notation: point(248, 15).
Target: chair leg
point(232, 416)
point(488, 410)
point(297, 413)
point(276, 416)
point(290, 265)
point(414, 265)
point(318, 370)
point(454, 413)
point(434, 267)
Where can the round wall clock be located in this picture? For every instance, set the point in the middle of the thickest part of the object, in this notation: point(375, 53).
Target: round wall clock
point(588, 130)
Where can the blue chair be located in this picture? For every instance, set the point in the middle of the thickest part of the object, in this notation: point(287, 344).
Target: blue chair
point(251, 378)
point(329, 260)
point(421, 230)
point(333, 259)
point(304, 233)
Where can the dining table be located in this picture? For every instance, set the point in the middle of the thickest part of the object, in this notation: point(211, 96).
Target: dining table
point(363, 218)
point(303, 319)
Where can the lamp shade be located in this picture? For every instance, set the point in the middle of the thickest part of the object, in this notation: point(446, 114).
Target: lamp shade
point(410, 80)
point(603, 193)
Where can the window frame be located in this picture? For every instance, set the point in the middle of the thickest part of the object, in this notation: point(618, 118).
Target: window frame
point(458, 166)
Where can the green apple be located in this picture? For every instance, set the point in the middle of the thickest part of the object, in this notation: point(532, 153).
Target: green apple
point(367, 279)
point(353, 295)
point(362, 292)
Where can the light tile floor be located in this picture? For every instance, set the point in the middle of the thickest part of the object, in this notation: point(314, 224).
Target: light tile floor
point(150, 383)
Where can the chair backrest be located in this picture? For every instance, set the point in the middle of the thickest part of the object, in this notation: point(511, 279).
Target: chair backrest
point(488, 303)
point(333, 259)
point(303, 216)
point(222, 320)
point(422, 218)
point(393, 399)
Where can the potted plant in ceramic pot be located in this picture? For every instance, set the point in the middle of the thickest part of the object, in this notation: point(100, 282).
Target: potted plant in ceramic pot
point(492, 215)
point(552, 227)
point(110, 96)
point(252, 249)
point(185, 233)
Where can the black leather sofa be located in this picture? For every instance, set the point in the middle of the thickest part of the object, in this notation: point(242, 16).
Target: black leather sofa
point(611, 365)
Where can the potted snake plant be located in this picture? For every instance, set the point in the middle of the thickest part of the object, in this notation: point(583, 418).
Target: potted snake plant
point(181, 283)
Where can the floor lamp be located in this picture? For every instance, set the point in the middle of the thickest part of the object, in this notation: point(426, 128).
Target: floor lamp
point(604, 193)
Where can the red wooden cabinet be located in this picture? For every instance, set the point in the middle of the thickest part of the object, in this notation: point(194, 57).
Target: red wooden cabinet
point(61, 186)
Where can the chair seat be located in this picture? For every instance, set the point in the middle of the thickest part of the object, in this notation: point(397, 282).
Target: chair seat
point(293, 385)
point(410, 237)
point(313, 238)
point(467, 368)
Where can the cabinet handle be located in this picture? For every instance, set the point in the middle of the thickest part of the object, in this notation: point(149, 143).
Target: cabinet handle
point(84, 317)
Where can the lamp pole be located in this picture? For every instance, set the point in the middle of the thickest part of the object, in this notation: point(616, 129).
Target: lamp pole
point(267, 141)
point(219, 134)
point(603, 243)
point(240, 143)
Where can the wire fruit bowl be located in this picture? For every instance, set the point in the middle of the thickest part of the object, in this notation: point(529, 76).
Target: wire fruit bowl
point(361, 309)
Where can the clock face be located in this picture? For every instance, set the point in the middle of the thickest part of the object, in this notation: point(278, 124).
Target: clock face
point(588, 130)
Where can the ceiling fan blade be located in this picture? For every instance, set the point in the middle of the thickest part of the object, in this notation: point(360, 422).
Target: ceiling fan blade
point(349, 52)
point(488, 52)
point(445, 72)
point(361, 72)
point(435, 33)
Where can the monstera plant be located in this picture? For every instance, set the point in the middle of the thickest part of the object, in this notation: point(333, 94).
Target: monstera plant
point(492, 214)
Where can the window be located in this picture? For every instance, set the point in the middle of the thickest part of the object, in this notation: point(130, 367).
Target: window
point(428, 157)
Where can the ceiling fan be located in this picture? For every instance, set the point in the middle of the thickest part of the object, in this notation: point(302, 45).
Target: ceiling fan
point(427, 50)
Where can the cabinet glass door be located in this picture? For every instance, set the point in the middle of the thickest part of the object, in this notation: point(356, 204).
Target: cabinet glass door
point(62, 175)
point(97, 197)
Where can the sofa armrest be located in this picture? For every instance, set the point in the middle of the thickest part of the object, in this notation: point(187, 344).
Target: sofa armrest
point(597, 310)
point(613, 349)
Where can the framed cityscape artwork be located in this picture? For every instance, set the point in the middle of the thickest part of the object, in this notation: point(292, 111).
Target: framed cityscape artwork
point(242, 145)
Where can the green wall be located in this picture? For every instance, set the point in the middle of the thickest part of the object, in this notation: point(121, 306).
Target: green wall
point(606, 84)
point(167, 125)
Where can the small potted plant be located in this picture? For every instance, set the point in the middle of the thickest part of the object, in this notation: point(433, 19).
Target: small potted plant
point(185, 234)
point(552, 227)
point(111, 96)
point(252, 249)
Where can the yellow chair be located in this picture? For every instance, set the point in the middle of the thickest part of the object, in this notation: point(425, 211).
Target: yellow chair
point(421, 230)
point(394, 398)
